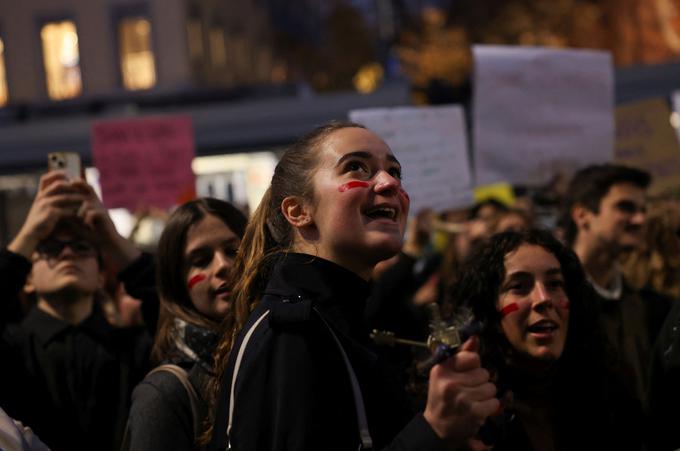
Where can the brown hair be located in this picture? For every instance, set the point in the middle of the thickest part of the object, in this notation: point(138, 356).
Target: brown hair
point(268, 234)
point(174, 295)
point(656, 264)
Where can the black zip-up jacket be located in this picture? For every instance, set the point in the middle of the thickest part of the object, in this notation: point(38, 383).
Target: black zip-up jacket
point(293, 390)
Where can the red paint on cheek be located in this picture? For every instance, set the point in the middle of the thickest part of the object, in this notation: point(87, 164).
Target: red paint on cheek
point(352, 184)
point(564, 303)
point(508, 309)
point(404, 194)
point(198, 278)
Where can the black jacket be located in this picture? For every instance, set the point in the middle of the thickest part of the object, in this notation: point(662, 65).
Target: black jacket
point(293, 390)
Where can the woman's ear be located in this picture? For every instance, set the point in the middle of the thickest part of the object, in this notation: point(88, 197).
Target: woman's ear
point(296, 211)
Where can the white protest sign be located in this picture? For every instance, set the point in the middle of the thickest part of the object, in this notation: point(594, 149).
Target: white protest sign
point(537, 111)
point(431, 145)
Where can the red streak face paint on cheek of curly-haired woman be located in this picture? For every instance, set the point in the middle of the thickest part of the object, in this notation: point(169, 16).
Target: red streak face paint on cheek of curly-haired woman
point(508, 309)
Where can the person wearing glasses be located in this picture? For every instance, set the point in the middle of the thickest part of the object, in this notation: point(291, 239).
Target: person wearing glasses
point(67, 373)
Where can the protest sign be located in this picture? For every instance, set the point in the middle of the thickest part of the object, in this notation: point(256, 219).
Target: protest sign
point(646, 139)
point(431, 145)
point(144, 162)
point(537, 111)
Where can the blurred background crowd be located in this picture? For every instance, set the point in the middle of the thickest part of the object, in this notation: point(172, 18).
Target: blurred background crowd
point(251, 76)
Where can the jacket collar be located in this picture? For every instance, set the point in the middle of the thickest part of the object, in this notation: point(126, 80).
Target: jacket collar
point(339, 293)
point(47, 328)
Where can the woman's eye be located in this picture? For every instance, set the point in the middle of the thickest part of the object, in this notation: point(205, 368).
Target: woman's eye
point(355, 166)
point(230, 251)
point(556, 284)
point(519, 288)
point(200, 261)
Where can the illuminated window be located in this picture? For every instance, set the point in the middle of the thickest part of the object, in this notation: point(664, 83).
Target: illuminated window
point(195, 38)
point(62, 59)
point(218, 51)
point(136, 57)
point(3, 79)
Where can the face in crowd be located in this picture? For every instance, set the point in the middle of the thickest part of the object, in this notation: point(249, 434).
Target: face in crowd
point(358, 213)
point(533, 303)
point(209, 257)
point(67, 262)
point(620, 219)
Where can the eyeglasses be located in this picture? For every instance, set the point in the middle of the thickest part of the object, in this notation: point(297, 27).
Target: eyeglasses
point(52, 249)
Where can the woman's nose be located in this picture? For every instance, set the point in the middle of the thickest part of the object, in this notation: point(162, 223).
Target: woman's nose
point(222, 263)
point(541, 296)
point(385, 181)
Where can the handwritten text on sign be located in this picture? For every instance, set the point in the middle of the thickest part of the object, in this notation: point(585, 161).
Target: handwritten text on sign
point(538, 111)
point(144, 162)
point(431, 145)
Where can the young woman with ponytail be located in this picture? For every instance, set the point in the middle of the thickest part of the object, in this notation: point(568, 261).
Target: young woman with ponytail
point(297, 372)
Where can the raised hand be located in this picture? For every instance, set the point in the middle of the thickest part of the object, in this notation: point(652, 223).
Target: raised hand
point(95, 215)
point(460, 396)
point(57, 198)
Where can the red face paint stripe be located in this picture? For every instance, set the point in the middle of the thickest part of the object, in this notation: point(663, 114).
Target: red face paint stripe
point(508, 309)
point(405, 194)
point(198, 278)
point(564, 303)
point(352, 184)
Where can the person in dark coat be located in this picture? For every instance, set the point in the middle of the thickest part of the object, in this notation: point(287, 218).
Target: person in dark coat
point(70, 373)
point(195, 257)
point(541, 343)
point(297, 369)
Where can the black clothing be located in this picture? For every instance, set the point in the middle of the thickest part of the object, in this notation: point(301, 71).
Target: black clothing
point(664, 387)
point(390, 306)
point(626, 323)
point(71, 383)
point(293, 390)
point(139, 279)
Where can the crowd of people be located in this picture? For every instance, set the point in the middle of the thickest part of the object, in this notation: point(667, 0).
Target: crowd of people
point(255, 333)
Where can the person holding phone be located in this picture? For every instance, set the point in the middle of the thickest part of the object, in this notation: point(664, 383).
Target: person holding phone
point(296, 368)
point(73, 372)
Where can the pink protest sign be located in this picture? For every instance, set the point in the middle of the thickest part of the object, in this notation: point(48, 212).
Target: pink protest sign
point(144, 162)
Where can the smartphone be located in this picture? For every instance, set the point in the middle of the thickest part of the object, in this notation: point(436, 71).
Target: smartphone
point(69, 162)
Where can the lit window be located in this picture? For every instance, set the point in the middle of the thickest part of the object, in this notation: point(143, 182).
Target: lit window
point(195, 38)
point(218, 51)
point(3, 78)
point(62, 59)
point(136, 57)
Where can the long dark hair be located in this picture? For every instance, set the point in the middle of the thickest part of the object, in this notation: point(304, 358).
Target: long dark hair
point(480, 280)
point(580, 378)
point(174, 295)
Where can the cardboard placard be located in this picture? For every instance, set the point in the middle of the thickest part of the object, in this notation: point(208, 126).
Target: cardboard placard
point(537, 111)
point(144, 162)
point(645, 139)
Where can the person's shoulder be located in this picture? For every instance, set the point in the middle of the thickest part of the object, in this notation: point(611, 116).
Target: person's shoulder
point(289, 312)
point(160, 388)
point(278, 326)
